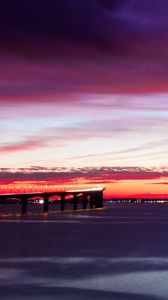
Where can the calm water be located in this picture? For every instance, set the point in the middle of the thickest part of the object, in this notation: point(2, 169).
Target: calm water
point(118, 253)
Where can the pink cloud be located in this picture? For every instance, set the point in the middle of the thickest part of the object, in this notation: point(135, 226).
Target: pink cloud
point(23, 146)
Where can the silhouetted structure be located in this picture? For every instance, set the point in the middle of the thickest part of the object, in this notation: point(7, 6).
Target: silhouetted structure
point(93, 197)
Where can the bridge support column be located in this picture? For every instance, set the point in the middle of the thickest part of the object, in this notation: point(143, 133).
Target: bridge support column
point(75, 202)
point(62, 203)
point(24, 206)
point(101, 199)
point(96, 199)
point(85, 200)
point(91, 200)
point(45, 207)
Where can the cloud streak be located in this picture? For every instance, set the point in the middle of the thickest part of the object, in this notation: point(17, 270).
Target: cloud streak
point(108, 130)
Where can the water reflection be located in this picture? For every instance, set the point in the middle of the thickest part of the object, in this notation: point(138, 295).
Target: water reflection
point(125, 276)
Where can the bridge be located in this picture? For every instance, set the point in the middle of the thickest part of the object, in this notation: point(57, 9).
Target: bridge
point(88, 197)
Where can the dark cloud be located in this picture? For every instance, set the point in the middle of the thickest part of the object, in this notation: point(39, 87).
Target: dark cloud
point(91, 46)
point(110, 5)
point(90, 175)
point(67, 21)
point(34, 27)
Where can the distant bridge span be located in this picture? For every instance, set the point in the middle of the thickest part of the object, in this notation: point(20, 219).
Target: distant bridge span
point(89, 196)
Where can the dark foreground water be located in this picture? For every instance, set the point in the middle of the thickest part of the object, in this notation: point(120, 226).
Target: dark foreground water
point(118, 253)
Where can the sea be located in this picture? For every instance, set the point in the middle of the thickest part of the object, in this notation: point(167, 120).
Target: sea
point(119, 252)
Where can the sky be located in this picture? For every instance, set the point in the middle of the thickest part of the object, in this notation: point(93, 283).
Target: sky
point(84, 94)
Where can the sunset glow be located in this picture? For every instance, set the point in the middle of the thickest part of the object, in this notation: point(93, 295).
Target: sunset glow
point(84, 97)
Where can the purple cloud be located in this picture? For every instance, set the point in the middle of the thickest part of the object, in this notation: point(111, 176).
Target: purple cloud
point(101, 174)
point(83, 47)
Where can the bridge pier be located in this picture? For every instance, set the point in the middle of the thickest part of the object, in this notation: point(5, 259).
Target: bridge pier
point(96, 200)
point(75, 202)
point(62, 208)
point(100, 199)
point(85, 201)
point(91, 200)
point(45, 206)
point(24, 205)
